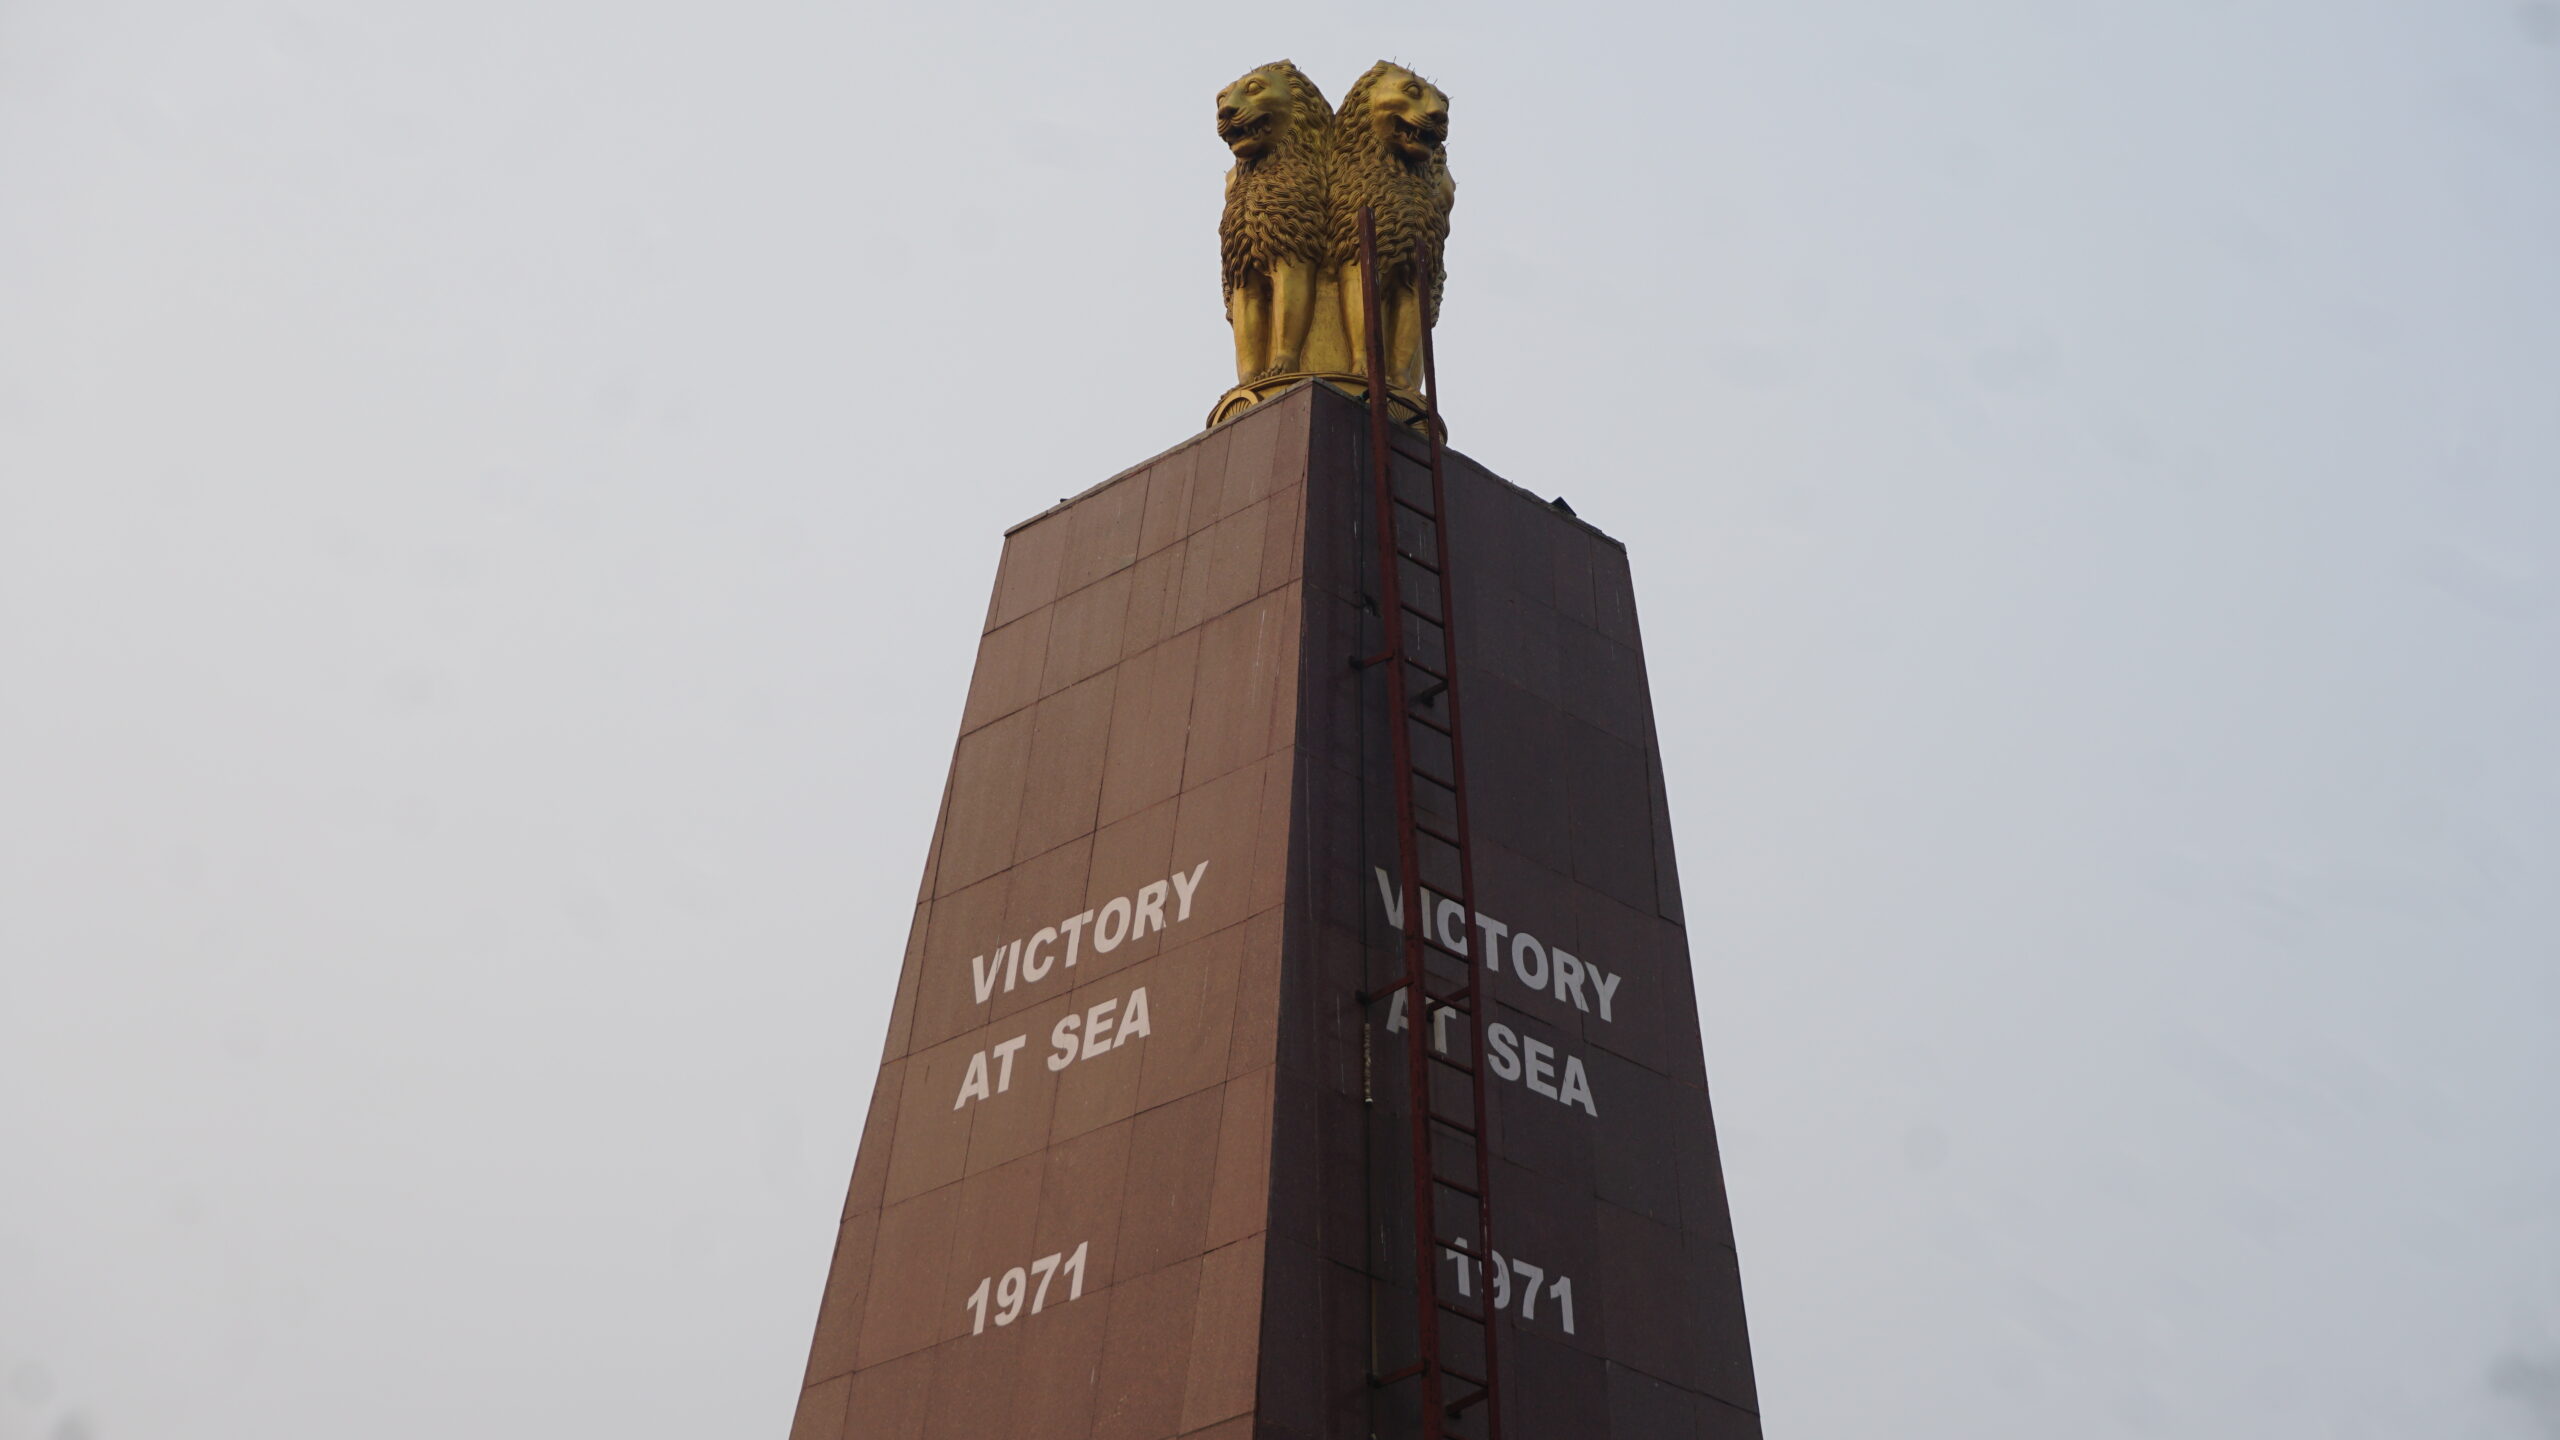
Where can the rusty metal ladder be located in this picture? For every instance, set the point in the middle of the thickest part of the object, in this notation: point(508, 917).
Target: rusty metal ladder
point(1451, 1157)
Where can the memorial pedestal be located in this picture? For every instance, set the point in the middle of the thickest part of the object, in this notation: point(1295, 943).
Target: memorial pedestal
point(1136, 1165)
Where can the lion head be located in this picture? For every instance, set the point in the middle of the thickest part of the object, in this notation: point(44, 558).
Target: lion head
point(1267, 107)
point(1390, 140)
point(1392, 112)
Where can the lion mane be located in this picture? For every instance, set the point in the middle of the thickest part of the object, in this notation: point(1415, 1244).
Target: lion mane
point(1275, 208)
point(1411, 197)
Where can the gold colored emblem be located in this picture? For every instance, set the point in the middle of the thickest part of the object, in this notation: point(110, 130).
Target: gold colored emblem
point(1289, 238)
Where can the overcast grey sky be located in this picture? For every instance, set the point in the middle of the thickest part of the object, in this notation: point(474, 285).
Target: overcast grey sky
point(496, 501)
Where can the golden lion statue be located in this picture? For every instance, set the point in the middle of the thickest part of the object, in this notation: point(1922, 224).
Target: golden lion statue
point(1271, 237)
point(1388, 153)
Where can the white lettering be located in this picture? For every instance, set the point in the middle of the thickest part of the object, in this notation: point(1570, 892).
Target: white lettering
point(973, 1086)
point(1133, 1021)
point(1395, 1013)
point(1106, 938)
point(1150, 910)
point(1183, 888)
point(1012, 964)
point(1569, 977)
point(1097, 1028)
point(1577, 1087)
point(1392, 896)
point(1453, 936)
point(1063, 1037)
point(1074, 925)
point(1528, 959)
point(1004, 1076)
point(1540, 966)
point(1538, 1065)
point(985, 972)
point(1503, 1048)
point(1033, 966)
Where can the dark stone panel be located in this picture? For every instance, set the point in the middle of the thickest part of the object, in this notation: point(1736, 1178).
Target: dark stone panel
point(1645, 1275)
point(1543, 1132)
point(1642, 1407)
point(1554, 1389)
point(1518, 790)
point(1719, 1348)
point(1550, 1223)
point(1603, 685)
point(1637, 1152)
point(1705, 1213)
point(1518, 639)
point(1609, 794)
point(1653, 1015)
point(1720, 1421)
point(1574, 596)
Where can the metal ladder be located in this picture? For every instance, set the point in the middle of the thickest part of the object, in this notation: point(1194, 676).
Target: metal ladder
point(1452, 1161)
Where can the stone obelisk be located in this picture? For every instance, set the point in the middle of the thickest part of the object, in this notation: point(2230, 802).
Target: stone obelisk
point(1136, 1165)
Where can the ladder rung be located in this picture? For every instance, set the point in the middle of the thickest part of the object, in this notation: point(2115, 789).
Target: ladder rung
point(1469, 1191)
point(1443, 782)
point(1416, 509)
point(1403, 1373)
point(1459, 1066)
point(1442, 836)
point(1425, 669)
point(1372, 997)
point(1417, 562)
point(1463, 1314)
point(1439, 1118)
point(1427, 721)
point(1461, 1376)
point(1457, 1407)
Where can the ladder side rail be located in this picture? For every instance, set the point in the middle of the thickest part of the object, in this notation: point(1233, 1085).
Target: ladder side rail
point(1417, 1013)
point(1423, 271)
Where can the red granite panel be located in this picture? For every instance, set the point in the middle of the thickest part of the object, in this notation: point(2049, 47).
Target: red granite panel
point(879, 1128)
point(987, 780)
point(821, 1412)
point(1010, 661)
point(973, 1385)
point(1063, 781)
point(1155, 590)
point(1172, 1154)
point(1150, 727)
point(1248, 657)
point(1221, 567)
point(1085, 635)
point(1102, 533)
point(931, 1145)
point(1028, 577)
point(902, 1313)
point(1192, 993)
point(889, 1399)
point(1168, 510)
point(1225, 1335)
point(831, 1354)
point(1146, 1353)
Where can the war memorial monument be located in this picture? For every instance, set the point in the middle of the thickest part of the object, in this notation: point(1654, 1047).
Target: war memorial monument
point(1295, 1039)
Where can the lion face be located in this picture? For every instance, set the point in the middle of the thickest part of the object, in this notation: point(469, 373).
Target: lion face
point(1409, 115)
point(1253, 111)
